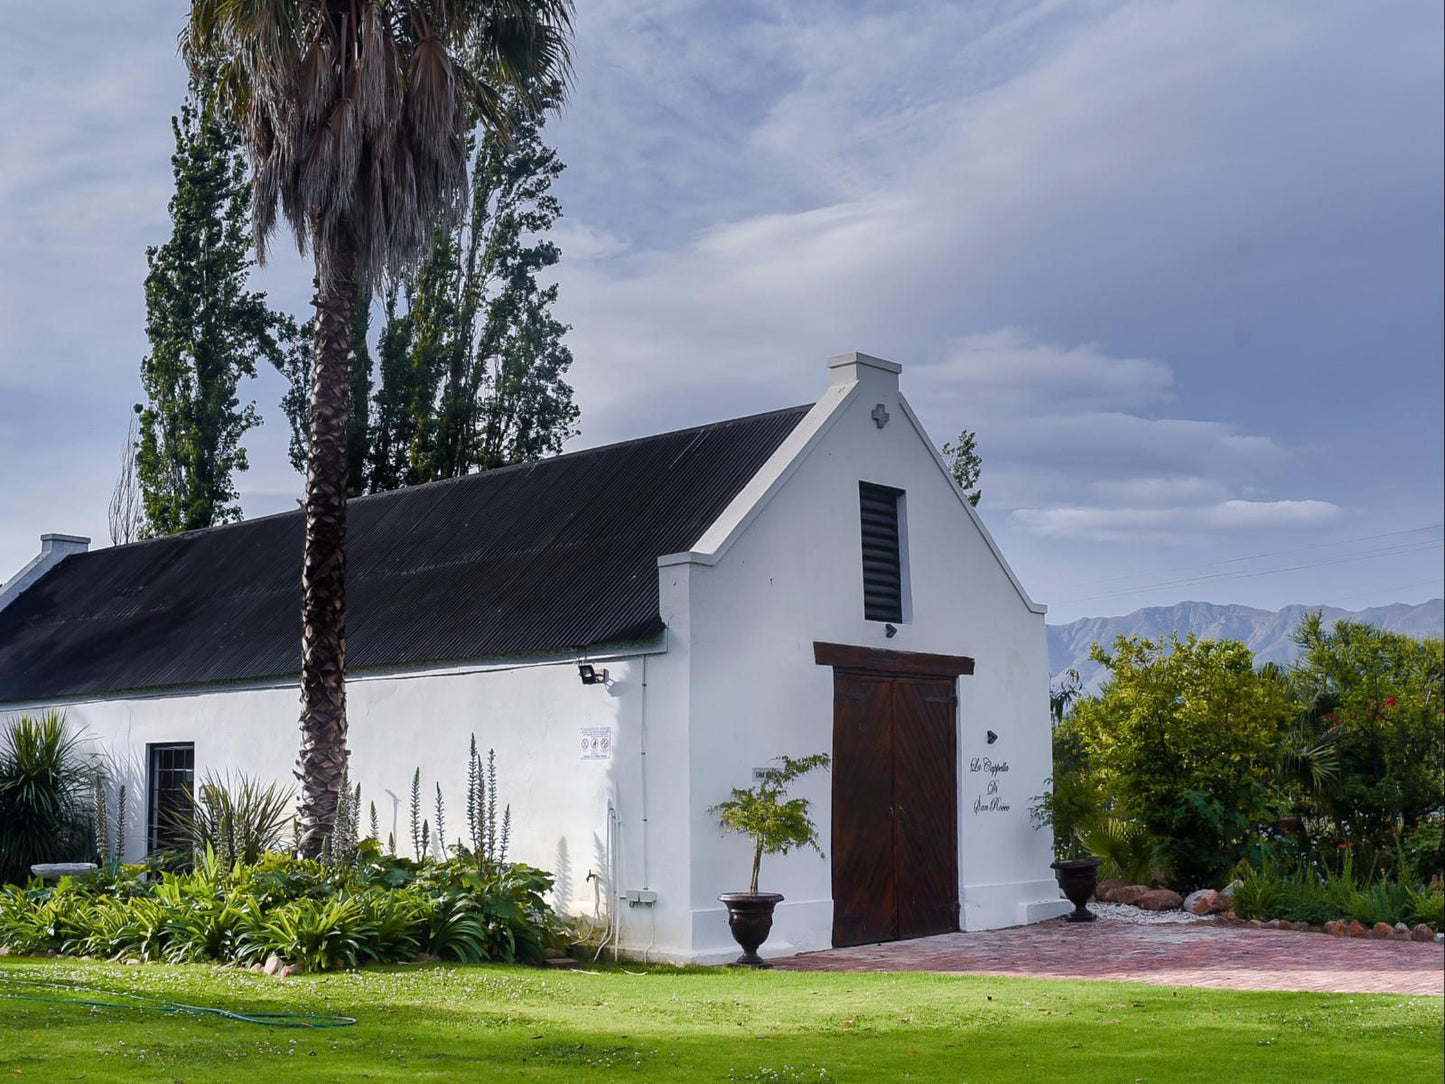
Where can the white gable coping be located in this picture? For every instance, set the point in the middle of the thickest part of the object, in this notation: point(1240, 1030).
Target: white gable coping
point(848, 373)
point(1036, 607)
point(779, 467)
point(54, 548)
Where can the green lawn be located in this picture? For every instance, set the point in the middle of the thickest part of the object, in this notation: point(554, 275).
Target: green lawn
point(423, 1023)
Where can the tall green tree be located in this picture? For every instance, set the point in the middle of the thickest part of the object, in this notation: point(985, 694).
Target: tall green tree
point(472, 361)
point(965, 464)
point(355, 115)
point(206, 330)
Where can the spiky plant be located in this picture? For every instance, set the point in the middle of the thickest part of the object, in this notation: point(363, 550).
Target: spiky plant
point(120, 823)
point(416, 814)
point(355, 115)
point(46, 774)
point(474, 796)
point(375, 826)
point(100, 807)
point(238, 817)
point(491, 832)
point(441, 823)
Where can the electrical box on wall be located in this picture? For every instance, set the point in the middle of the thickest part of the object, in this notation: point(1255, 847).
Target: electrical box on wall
point(639, 897)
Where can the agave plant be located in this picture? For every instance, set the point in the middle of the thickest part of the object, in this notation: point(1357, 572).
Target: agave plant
point(238, 818)
point(46, 778)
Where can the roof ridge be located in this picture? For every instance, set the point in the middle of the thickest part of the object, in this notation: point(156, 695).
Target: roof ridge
point(471, 475)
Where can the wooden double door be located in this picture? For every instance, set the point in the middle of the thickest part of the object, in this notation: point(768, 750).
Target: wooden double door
point(895, 806)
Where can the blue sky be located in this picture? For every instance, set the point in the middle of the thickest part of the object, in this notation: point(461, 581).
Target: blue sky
point(1179, 264)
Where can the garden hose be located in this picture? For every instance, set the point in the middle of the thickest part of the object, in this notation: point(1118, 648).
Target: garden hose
point(143, 1002)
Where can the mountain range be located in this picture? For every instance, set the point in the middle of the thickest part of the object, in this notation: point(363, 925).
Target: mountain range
point(1266, 632)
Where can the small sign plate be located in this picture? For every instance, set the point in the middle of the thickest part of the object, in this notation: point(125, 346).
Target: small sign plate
point(596, 743)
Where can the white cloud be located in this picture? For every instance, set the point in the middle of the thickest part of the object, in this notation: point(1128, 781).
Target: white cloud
point(1006, 369)
point(1136, 525)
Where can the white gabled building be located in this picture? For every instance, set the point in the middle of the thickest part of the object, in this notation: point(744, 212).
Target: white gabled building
point(808, 580)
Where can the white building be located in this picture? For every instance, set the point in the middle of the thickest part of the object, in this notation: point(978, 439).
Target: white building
point(809, 580)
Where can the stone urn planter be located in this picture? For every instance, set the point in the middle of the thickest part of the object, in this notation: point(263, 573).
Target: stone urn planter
point(776, 824)
point(1077, 877)
point(750, 918)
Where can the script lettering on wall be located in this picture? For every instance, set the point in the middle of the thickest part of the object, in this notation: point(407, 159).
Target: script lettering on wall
point(992, 799)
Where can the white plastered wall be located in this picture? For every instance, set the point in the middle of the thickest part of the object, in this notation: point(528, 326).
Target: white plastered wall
point(531, 712)
point(790, 574)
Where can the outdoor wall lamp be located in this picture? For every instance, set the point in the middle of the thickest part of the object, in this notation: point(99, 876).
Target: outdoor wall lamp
point(591, 675)
point(890, 631)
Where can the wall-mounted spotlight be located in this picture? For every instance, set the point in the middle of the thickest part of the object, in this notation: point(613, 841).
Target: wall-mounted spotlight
point(890, 631)
point(591, 675)
point(992, 737)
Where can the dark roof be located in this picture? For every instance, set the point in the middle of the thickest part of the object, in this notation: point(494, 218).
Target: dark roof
point(547, 556)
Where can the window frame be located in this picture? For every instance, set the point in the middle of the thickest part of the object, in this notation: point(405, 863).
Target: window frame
point(156, 833)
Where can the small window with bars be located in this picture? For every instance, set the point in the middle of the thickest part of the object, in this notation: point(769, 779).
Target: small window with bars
point(879, 510)
point(171, 779)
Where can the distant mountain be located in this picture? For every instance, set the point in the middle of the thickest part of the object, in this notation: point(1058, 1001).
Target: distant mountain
point(1266, 632)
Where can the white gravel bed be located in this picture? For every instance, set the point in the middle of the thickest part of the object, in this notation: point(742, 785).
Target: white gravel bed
point(1137, 916)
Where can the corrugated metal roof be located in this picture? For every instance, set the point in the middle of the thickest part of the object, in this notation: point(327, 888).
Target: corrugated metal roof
point(553, 555)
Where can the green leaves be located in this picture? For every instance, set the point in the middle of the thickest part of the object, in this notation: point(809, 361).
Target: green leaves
point(46, 778)
point(776, 824)
point(205, 328)
point(383, 910)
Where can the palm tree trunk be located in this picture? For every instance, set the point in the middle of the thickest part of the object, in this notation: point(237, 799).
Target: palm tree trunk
point(322, 764)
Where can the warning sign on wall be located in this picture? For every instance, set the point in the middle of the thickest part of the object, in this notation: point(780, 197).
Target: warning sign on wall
point(596, 743)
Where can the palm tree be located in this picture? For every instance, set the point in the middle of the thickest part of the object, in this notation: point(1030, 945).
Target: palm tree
point(355, 115)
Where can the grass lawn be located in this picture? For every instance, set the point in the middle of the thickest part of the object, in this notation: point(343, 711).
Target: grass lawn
point(421, 1023)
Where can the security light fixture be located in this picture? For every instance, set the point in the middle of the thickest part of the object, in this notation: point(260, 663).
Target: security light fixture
point(992, 737)
point(591, 675)
point(890, 630)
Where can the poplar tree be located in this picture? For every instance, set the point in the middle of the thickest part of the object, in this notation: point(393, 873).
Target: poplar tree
point(206, 330)
point(470, 362)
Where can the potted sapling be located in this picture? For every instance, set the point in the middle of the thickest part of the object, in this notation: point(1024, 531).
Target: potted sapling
point(776, 824)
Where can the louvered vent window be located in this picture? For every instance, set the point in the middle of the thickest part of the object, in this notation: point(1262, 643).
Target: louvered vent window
point(882, 557)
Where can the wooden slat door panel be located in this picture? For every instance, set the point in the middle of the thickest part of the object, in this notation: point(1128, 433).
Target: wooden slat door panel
point(925, 796)
point(864, 906)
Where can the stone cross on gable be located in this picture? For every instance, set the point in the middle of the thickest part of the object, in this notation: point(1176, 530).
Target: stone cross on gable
point(880, 415)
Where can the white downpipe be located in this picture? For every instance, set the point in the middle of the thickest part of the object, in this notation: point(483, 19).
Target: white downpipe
point(614, 916)
point(642, 740)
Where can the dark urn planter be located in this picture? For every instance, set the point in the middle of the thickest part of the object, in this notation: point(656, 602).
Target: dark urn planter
point(750, 917)
point(1078, 877)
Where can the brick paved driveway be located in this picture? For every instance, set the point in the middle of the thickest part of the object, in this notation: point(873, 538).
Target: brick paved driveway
point(1168, 954)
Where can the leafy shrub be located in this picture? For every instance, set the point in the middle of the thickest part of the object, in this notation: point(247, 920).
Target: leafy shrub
point(1424, 850)
point(1182, 740)
point(1385, 715)
point(320, 934)
point(46, 779)
point(1308, 895)
point(1126, 848)
point(382, 910)
point(1428, 905)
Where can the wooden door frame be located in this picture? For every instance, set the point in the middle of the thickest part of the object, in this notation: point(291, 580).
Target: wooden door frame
point(887, 664)
point(882, 660)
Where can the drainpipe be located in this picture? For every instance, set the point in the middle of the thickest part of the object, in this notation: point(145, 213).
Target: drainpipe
point(642, 741)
